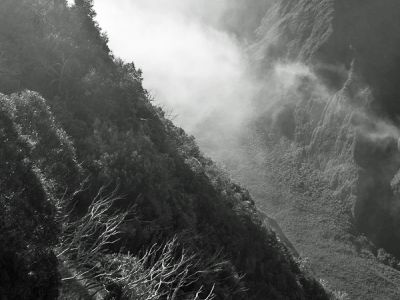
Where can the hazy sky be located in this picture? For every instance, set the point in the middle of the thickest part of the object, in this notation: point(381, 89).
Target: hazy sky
point(191, 68)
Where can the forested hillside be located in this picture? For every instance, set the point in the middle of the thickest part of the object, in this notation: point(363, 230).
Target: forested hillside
point(101, 195)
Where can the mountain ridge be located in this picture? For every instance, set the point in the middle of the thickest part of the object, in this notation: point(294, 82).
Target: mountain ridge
point(113, 198)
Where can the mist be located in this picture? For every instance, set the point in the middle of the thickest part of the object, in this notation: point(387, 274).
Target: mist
point(201, 75)
point(195, 71)
point(198, 72)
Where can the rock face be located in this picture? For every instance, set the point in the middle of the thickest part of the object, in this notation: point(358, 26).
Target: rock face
point(328, 142)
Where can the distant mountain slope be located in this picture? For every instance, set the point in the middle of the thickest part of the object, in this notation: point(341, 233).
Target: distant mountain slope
point(90, 131)
point(329, 157)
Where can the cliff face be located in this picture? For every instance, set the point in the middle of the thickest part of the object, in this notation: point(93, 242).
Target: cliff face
point(330, 34)
point(90, 131)
point(329, 141)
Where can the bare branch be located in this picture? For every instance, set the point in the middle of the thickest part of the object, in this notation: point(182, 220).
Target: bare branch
point(163, 271)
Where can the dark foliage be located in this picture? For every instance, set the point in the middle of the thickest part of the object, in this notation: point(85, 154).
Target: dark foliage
point(120, 139)
point(28, 266)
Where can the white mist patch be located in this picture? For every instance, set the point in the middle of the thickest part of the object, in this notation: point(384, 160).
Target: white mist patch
point(379, 130)
point(287, 84)
point(190, 67)
point(288, 75)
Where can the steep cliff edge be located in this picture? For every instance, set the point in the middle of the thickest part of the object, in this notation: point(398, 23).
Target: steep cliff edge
point(326, 145)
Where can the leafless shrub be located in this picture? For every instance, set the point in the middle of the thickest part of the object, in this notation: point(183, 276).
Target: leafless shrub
point(86, 239)
point(163, 271)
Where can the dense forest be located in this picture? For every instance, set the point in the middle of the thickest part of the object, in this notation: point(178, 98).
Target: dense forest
point(101, 195)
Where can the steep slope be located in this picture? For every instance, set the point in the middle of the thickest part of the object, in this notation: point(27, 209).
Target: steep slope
point(91, 132)
point(325, 147)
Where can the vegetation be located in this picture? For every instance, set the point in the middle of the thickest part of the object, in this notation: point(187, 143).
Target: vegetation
point(180, 228)
point(329, 148)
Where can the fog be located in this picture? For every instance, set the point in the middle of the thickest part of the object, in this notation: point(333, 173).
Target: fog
point(196, 72)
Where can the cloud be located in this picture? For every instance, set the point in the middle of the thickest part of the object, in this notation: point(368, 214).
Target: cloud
point(196, 69)
point(191, 67)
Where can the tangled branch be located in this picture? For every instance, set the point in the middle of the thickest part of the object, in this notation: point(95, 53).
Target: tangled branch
point(86, 239)
point(162, 272)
